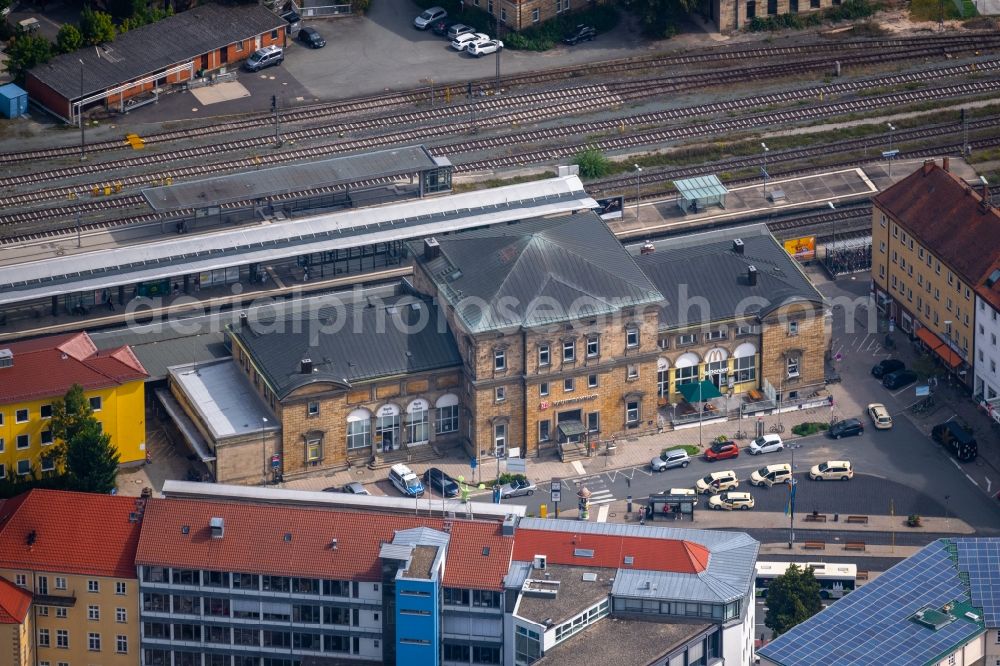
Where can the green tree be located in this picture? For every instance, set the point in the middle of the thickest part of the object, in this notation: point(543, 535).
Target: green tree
point(659, 18)
point(592, 163)
point(70, 415)
point(25, 52)
point(96, 27)
point(91, 460)
point(792, 598)
point(69, 38)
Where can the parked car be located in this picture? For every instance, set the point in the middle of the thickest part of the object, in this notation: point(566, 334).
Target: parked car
point(885, 366)
point(722, 451)
point(832, 470)
point(464, 40)
point(880, 416)
point(441, 27)
point(898, 379)
point(479, 49)
point(771, 475)
point(405, 480)
point(517, 487)
point(436, 479)
point(265, 57)
point(356, 488)
point(311, 38)
point(428, 17)
point(956, 439)
point(766, 444)
point(459, 29)
point(670, 458)
point(731, 501)
point(846, 428)
point(579, 34)
point(717, 481)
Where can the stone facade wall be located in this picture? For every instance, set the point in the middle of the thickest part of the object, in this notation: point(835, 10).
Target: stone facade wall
point(796, 331)
point(732, 15)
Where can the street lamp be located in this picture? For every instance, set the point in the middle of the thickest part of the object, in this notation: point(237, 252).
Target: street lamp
point(79, 108)
point(263, 449)
point(833, 233)
point(764, 170)
point(638, 171)
point(892, 128)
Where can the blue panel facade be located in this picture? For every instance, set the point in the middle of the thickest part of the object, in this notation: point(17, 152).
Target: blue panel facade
point(418, 623)
point(13, 101)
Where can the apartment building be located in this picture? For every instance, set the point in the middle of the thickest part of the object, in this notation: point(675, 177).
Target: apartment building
point(35, 374)
point(986, 382)
point(935, 239)
point(72, 556)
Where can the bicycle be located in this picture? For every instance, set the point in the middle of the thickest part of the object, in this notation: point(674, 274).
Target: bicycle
point(740, 434)
point(777, 428)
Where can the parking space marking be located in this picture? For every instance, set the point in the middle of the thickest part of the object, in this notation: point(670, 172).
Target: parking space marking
point(902, 390)
point(973, 480)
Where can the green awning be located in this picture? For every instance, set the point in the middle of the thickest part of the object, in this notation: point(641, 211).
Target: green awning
point(571, 428)
point(699, 391)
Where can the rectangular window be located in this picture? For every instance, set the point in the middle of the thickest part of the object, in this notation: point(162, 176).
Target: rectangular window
point(883, 221)
point(500, 393)
point(23, 467)
point(62, 638)
point(499, 439)
point(895, 229)
point(120, 588)
point(793, 328)
point(312, 409)
point(121, 615)
point(745, 369)
point(594, 422)
point(593, 347)
point(43, 611)
point(21, 416)
point(121, 644)
point(686, 339)
point(21, 580)
point(544, 431)
point(45, 411)
point(447, 419)
point(23, 441)
point(569, 351)
point(895, 257)
point(60, 583)
point(632, 337)
point(95, 403)
point(543, 389)
point(920, 252)
point(94, 642)
point(544, 355)
point(93, 612)
point(499, 360)
point(93, 585)
point(535, 16)
point(592, 381)
point(46, 437)
point(568, 385)
point(881, 247)
point(792, 364)
point(632, 371)
point(43, 638)
point(718, 334)
point(314, 450)
point(61, 613)
point(632, 412)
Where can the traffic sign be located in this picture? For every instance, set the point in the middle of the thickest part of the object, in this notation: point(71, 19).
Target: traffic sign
point(889, 154)
point(556, 490)
point(473, 463)
point(275, 461)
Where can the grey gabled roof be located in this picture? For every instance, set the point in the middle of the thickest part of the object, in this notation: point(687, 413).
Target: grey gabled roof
point(704, 266)
point(156, 46)
point(349, 343)
point(536, 272)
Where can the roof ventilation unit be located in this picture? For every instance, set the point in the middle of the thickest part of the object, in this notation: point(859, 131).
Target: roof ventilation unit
point(647, 248)
point(738, 245)
point(218, 527)
point(752, 276)
point(539, 562)
point(306, 366)
point(432, 249)
point(509, 525)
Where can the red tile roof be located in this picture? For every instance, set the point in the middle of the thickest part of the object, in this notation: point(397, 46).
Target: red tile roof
point(14, 603)
point(610, 551)
point(47, 367)
point(253, 541)
point(74, 533)
point(944, 214)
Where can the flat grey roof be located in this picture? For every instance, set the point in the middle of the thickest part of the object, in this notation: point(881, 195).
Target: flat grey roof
point(617, 642)
point(173, 256)
point(700, 187)
point(226, 403)
point(154, 47)
point(574, 596)
point(290, 178)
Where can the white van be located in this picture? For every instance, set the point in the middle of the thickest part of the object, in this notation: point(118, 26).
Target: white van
point(405, 480)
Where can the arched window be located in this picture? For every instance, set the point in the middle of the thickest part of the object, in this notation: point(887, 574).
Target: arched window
point(447, 414)
point(417, 426)
point(686, 369)
point(359, 429)
point(662, 377)
point(745, 363)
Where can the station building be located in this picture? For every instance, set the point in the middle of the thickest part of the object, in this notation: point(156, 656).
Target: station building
point(138, 64)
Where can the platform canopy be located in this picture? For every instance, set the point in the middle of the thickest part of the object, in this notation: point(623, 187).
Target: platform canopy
point(700, 192)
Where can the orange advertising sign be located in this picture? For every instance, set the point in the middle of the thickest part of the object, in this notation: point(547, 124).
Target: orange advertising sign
point(803, 249)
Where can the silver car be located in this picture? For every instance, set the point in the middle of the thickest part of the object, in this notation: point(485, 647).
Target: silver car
point(516, 488)
point(670, 458)
point(428, 17)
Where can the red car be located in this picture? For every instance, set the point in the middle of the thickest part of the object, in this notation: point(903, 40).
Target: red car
point(722, 451)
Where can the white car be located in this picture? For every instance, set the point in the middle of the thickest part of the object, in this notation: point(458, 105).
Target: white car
point(426, 19)
point(880, 416)
point(462, 42)
point(731, 501)
point(716, 481)
point(835, 470)
point(480, 49)
point(766, 444)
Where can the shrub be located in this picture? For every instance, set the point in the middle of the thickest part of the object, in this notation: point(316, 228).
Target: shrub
point(592, 163)
point(809, 428)
point(507, 477)
point(69, 38)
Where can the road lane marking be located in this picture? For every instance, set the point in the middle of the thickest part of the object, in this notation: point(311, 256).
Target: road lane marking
point(902, 389)
point(973, 480)
point(989, 485)
point(602, 514)
point(578, 467)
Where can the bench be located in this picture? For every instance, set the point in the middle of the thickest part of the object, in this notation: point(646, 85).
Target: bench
point(815, 518)
point(855, 545)
point(858, 520)
point(814, 545)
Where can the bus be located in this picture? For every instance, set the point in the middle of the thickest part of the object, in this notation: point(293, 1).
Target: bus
point(835, 579)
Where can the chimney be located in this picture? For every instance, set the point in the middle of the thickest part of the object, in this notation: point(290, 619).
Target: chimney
point(6, 358)
point(928, 166)
point(647, 248)
point(432, 249)
point(306, 366)
point(945, 163)
point(986, 200)
point(752, 275)
point(217, 527)
point(243, 319)
point(738, 245)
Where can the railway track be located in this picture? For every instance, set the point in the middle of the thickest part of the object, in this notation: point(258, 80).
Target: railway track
point(854, 52)
point(518, 118)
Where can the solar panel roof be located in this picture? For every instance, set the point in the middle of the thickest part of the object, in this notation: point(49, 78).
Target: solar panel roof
point(874, 625)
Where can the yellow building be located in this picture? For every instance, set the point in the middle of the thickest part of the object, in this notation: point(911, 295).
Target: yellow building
point(35, 374)
point(75, 554)
point(932, 244)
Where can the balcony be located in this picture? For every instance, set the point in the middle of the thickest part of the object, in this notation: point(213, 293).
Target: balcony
point(66, 600)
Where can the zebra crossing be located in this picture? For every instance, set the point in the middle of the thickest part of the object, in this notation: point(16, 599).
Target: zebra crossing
point(598, 487)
